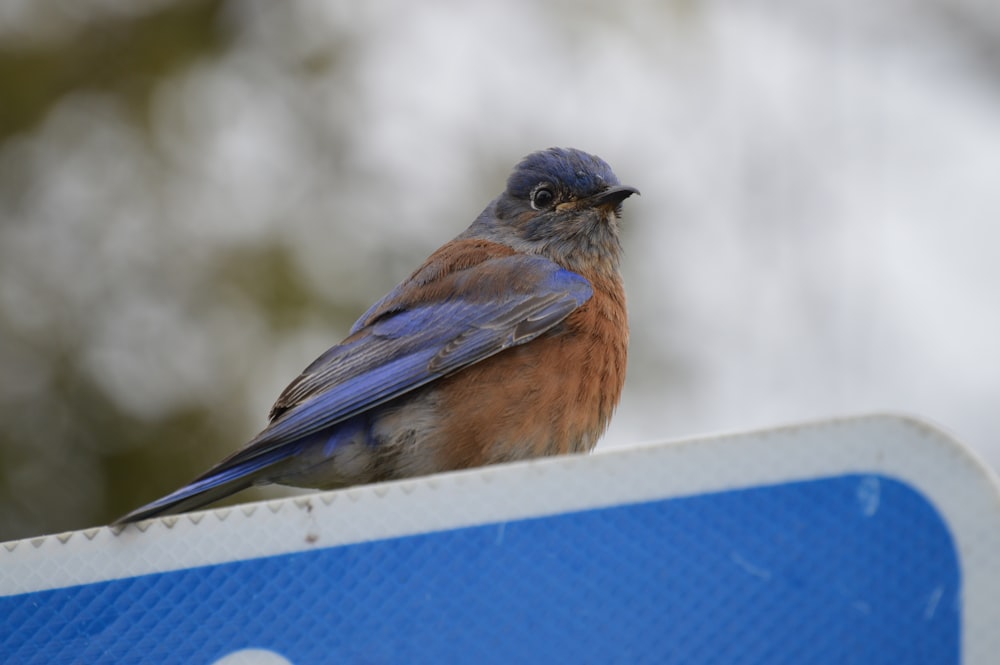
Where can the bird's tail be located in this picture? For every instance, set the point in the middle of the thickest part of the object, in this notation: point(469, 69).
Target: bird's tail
point(219, 482)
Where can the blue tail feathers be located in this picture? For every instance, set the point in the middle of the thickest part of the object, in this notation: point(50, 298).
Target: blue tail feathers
point(219, 482)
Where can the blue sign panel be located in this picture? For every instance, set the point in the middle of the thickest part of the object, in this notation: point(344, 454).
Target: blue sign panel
point(845, 569)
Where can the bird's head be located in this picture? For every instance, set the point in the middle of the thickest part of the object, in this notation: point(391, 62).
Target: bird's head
point(563, 204)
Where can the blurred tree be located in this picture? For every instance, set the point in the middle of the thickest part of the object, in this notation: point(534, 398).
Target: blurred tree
point(127, 57)
point(70, 454)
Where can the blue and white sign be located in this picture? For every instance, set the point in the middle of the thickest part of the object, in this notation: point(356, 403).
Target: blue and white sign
point(871, 540)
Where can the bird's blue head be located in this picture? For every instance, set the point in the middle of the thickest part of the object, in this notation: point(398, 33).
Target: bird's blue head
point(561, 203)
point(566, 171)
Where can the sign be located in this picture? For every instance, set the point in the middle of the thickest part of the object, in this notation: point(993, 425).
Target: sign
point(869, 540)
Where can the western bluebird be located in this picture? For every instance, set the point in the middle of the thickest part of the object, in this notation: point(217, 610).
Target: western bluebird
point(509, 342)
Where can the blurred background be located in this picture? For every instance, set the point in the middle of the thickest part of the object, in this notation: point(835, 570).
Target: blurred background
point(199, 197)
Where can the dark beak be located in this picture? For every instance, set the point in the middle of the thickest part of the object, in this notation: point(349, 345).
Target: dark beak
point(613, 196)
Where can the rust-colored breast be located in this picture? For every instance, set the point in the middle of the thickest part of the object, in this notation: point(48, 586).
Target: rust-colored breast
point(553, 395)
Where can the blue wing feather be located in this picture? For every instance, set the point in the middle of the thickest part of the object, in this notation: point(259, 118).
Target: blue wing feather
point(412, 347)
point(403, 342)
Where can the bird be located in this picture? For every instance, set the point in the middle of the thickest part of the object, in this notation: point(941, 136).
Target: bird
point(509, 342)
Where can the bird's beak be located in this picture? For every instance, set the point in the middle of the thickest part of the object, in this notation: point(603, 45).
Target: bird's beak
point(613, 196)
point(609, 199)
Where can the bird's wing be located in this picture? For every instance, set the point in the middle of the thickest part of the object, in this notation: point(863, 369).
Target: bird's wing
point(427, 331)
point(443, 319)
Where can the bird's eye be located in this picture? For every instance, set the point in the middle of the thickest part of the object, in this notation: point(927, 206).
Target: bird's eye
point(542, 197)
